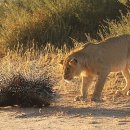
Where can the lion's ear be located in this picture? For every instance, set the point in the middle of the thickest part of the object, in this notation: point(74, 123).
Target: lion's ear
point(61, 62)
point(73, 62)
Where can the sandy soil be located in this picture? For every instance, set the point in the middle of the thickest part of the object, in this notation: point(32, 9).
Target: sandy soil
point(69, 115)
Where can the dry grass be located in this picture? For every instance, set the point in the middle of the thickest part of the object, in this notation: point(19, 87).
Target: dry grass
point(54, 21)
point(116, 28)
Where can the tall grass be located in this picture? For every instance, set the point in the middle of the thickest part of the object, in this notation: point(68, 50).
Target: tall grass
point(52, 21)
point(116, 28)
point(121, 27)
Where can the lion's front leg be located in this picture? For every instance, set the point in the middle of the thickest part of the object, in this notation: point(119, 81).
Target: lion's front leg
point(99, 86)
point(86, 81)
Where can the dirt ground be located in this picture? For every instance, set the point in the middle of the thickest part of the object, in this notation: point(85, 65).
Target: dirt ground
point(69, 115)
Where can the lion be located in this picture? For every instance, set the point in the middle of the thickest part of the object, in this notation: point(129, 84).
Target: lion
point(110, 55)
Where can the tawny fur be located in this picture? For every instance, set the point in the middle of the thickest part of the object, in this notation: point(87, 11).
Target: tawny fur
point(110, 55)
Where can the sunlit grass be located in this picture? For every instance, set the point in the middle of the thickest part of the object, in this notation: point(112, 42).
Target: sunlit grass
point(52, 21)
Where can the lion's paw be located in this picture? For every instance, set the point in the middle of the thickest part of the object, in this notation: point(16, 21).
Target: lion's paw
point(80, 98)
point(96, 99)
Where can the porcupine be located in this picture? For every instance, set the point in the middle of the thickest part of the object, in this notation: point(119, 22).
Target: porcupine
point(27, 93)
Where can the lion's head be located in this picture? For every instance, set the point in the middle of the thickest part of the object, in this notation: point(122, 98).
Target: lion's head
point(76, 63)
point(71, 68)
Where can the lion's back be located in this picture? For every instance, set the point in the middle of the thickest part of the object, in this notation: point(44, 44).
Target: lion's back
point(114, 51)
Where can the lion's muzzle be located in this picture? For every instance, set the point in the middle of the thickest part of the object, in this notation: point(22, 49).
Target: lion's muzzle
point(68, 77)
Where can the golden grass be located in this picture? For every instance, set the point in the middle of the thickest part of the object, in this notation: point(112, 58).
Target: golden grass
point(54, 21)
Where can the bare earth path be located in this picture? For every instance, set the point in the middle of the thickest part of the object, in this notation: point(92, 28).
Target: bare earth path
point(68, 115)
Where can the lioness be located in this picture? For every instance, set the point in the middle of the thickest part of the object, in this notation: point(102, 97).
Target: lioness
point(110, 55)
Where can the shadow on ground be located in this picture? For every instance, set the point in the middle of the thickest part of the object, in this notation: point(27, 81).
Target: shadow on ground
point(68, 111)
